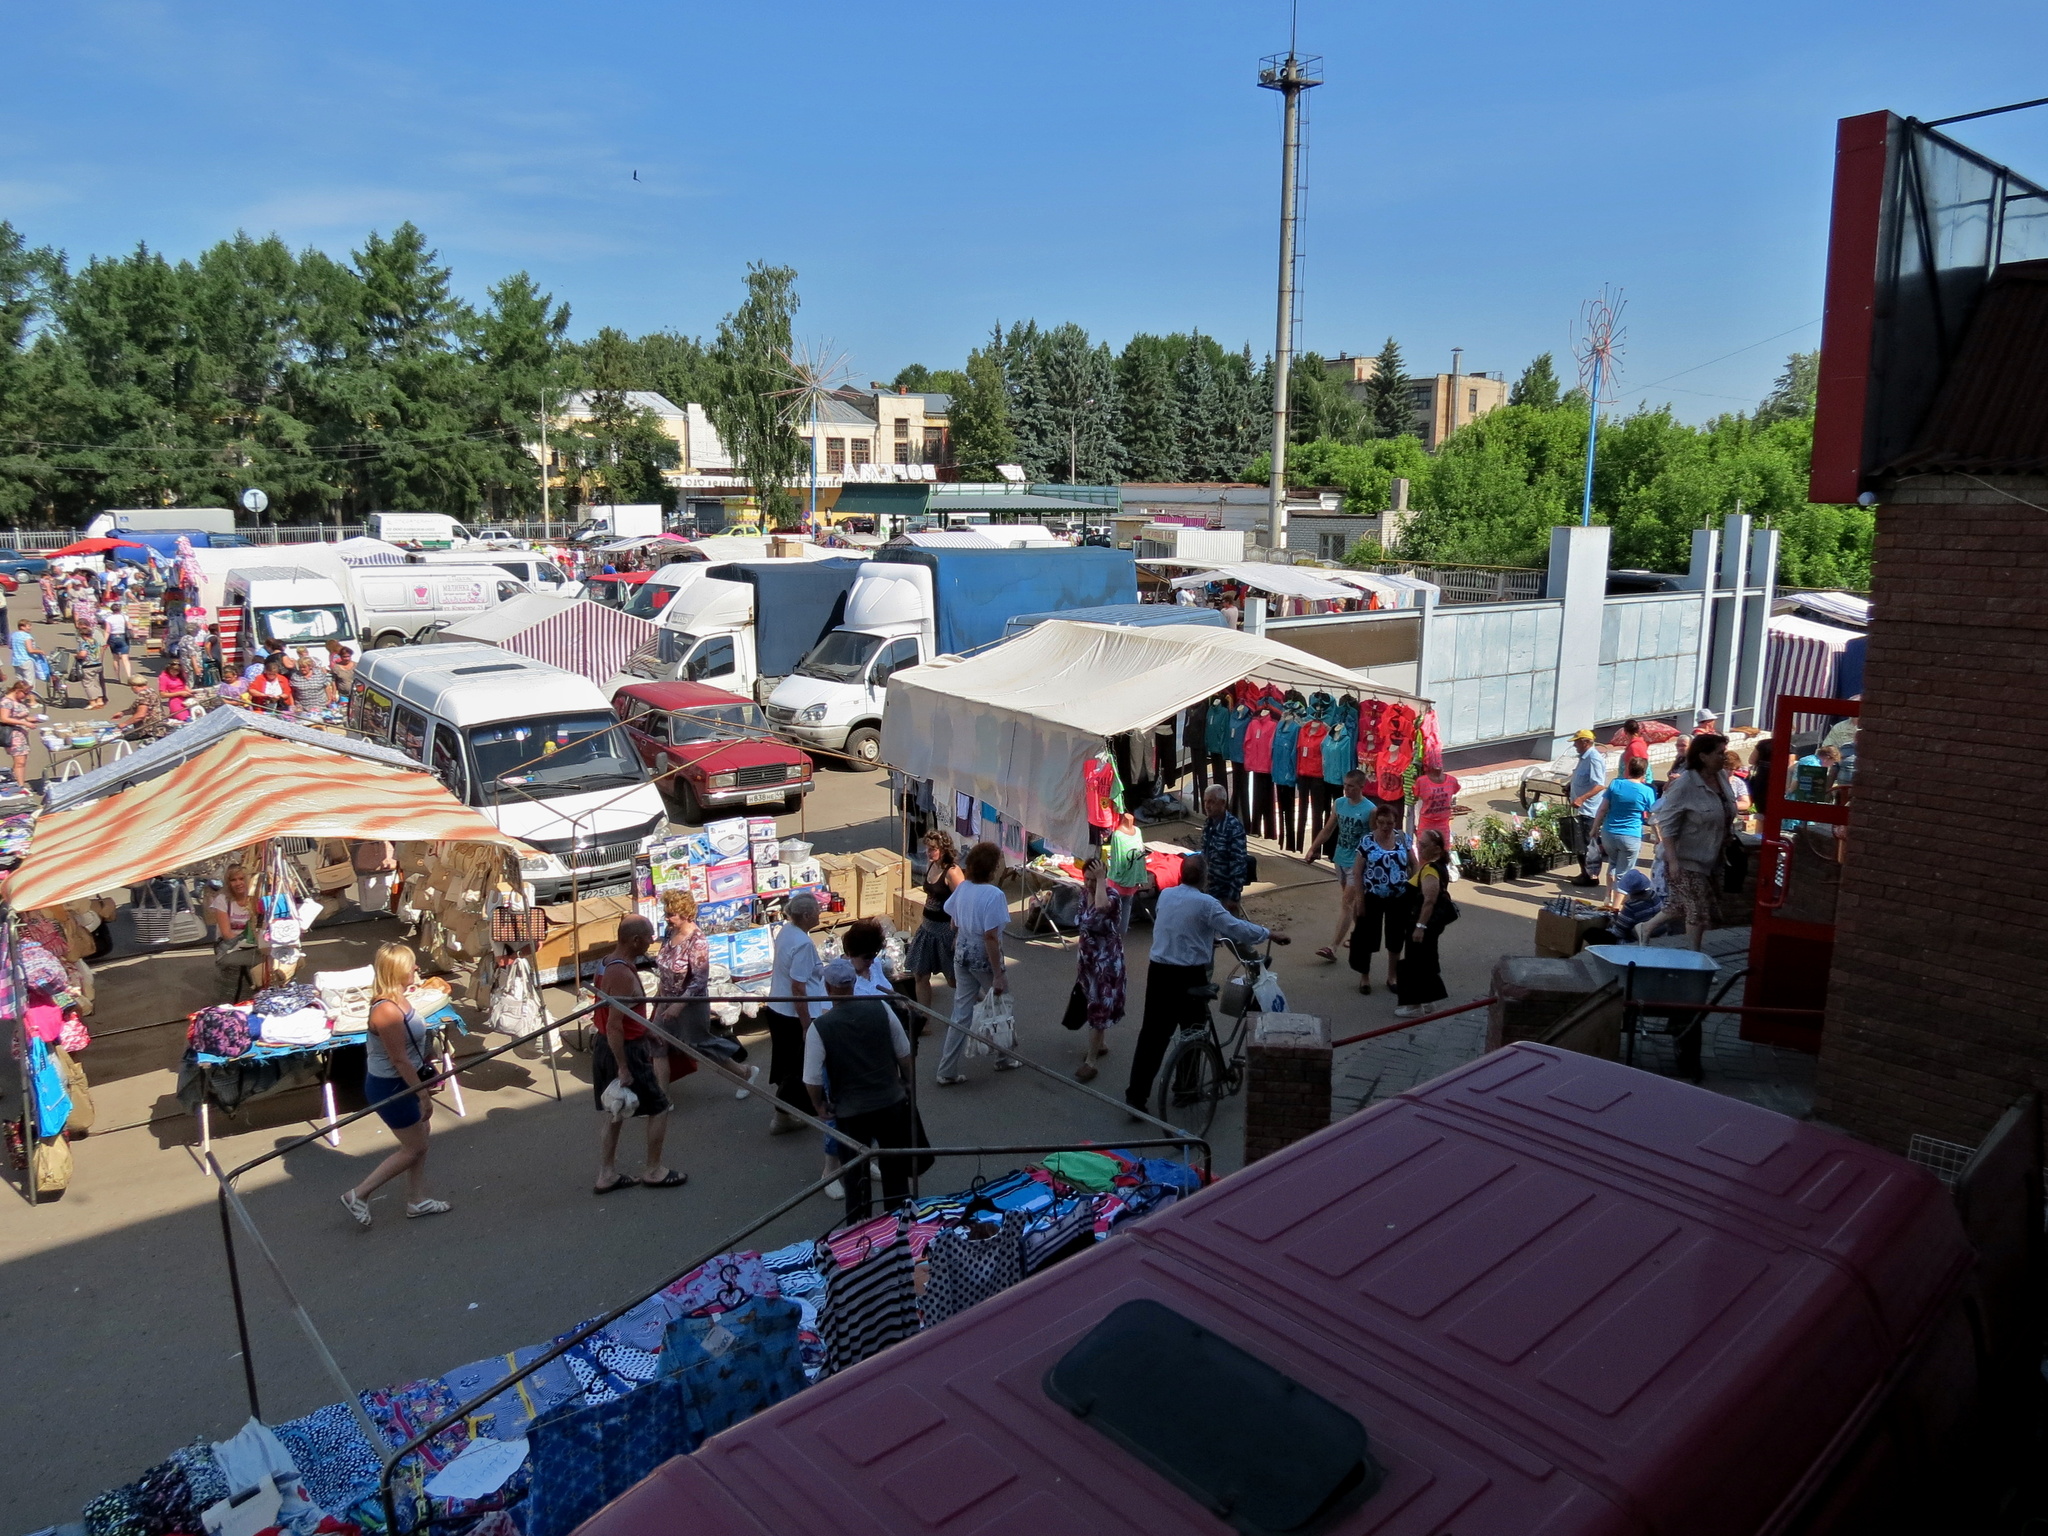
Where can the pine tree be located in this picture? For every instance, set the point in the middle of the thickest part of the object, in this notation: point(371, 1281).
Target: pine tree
point(1208, 425)
point(980, 419)
point(1794, 394)
point(1064, 407)
point(1538, 385)
point(1149, 424)
point(1386, 393)
point(1318, 409)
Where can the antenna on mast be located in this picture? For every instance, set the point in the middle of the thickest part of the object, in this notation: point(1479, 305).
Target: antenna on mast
point(1290, 76)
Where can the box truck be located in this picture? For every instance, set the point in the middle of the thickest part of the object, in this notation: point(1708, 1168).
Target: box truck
point(709, 633)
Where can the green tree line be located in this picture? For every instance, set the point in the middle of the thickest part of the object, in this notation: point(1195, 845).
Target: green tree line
point(342, 387)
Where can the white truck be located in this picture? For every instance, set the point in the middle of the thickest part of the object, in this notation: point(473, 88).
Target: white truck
point(429, 530)
point(160, 519)
point(638, 520)
point(400, 603)
point(909, 605)
point(709, 633)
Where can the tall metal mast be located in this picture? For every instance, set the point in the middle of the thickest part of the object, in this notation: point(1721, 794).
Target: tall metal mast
point(1289, 74)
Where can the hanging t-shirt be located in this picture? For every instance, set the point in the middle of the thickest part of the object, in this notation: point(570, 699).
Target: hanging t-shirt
point(1127, 860)
point(1258, 743)
point(1432, 741)
point(1371, 729)
point(1104, 791)
point(1308, 755)
point(1340, 751)
point(1354, 825)
point(1286, 742)
point(1435, 800)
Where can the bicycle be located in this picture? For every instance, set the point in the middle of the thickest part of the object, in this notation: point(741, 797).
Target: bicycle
point(1201, 1067)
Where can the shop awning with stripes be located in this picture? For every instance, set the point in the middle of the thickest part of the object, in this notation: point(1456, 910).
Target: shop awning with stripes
point(568, 632)
point(247, 788)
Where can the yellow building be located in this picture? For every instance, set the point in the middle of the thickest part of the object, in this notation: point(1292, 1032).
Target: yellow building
point(1438, 403)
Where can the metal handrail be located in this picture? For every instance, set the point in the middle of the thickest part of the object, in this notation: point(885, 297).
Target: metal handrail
point(232, 1208)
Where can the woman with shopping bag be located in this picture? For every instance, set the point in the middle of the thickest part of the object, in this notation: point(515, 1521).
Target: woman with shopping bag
point(1101, 985)
point(980, 911)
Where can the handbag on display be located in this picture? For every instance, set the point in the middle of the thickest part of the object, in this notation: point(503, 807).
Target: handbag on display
point(186, 925)
point(337, 876)
point(152, 915)
point(517, 925)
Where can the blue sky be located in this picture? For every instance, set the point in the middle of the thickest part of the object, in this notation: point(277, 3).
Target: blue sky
point(1473, 173)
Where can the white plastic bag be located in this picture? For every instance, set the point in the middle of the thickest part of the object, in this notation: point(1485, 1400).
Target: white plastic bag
point(1267, 993)
point(994, 1020)
point(619, 1101)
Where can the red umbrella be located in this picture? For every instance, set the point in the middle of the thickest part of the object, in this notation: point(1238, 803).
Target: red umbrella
point(93, 547)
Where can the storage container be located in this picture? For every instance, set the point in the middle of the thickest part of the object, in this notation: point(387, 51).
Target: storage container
point(1662, 975)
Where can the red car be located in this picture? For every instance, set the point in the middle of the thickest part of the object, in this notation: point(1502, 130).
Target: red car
point(722, 744)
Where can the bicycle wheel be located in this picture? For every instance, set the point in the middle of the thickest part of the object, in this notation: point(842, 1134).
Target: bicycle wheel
point(1191, 1081)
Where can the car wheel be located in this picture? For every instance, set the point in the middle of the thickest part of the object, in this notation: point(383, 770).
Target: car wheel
point(385, 642)
point(684, 805)
point(864, 747)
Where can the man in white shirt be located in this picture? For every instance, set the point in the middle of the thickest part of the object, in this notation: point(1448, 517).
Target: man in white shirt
point(795, 977)
point(1185, 930)
point(980, 911)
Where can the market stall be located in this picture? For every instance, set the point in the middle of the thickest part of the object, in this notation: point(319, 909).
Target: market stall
point(1028, 730)
point(573, 633)
point(280, 804)
point(1807, 659)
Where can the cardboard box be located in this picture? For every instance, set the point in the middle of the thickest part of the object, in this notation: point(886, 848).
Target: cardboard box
point(906, 910)
point(880, 877)
point(1560, 938)
point(841, 878)
point(599, 917)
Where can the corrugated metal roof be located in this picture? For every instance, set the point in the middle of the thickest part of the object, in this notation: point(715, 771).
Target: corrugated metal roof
point(578, 404)
point(1990, 416)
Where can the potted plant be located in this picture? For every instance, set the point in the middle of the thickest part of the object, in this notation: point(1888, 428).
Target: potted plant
point(1493, 849)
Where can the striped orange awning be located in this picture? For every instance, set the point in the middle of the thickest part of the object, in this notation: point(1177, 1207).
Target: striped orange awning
point(249, 788)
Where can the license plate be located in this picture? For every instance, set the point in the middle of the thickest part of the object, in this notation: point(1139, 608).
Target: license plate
point(766, 797)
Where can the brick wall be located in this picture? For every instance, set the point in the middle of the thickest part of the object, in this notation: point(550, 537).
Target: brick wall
point(1936, 1017)
point(1287, 1081)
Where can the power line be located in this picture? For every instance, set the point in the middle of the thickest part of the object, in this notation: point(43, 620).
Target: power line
point(1696, 367)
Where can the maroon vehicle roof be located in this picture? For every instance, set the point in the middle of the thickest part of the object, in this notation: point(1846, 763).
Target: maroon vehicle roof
point(679, 695)
point(1560, 1294)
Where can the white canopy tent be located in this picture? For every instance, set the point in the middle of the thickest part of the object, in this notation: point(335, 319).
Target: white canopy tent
point(1016, 724)
point(1280, 580)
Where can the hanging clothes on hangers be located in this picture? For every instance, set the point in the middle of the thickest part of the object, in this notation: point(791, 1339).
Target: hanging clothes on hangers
point(1216, 740)
point(1258, 762)
point(1240, 782)
point(1286, 775)
point(970, 1263)
point(868, 1305)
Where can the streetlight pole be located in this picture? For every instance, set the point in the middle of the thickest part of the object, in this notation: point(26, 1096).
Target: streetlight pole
point(547, 524)
point(1290, 76)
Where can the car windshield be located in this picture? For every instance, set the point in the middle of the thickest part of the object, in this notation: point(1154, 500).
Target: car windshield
point(649, 598)
point(283, 626)
point(840, 657)
point(552, 755)
point(718, 722)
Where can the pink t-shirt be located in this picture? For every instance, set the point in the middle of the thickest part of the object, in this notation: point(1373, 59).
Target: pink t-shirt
point(1435, 799)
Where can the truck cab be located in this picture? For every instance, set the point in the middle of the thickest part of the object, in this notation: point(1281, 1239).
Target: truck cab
point(268, 608)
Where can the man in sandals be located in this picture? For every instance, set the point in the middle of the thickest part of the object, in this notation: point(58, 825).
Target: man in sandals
point(624, 1054)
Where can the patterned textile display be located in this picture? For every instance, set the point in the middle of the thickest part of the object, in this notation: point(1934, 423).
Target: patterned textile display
point(1049, 1232)
point(733, 1365)
point(584, 1457)
point(337, 1465)
point(506, 1416)
point(868, 1306)
point(971, 1263)
point(702, 1289)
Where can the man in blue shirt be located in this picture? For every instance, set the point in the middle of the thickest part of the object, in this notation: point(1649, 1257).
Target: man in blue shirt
point(1223, 847)
point(1189, 923)
point(1621, 817)
point(1588, 785)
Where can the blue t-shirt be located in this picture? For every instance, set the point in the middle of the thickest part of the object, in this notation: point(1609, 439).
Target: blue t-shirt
point(1640, 900)
point(1286, 738)
point(1354, 825)
point(1627, 801)
point(1340, 751)
point(18, 643)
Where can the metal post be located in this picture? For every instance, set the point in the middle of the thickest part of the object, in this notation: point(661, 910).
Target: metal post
point(1289, 76)
point(227, 1238)
point(1451, 415)
point(1592, 430)
point(547, 525)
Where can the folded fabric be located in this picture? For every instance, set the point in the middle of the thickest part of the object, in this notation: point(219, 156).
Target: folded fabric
point(583, 1457)
point(507, 1415)
point(1084, 1170)
point(285, 999)
point(308, 1026)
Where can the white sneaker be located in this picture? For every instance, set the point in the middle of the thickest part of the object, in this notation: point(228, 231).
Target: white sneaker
point(836, 1190)
point(753, 1076)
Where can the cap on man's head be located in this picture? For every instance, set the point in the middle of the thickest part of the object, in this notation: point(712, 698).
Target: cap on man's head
point(1702, 717)
point(1582, 736)
point(839, 972)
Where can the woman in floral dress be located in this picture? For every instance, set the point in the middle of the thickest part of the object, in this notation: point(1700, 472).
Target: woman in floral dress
point(1102, 979)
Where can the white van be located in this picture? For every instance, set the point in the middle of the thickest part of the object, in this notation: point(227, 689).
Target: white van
point(399, 603)
point(538, 571)
point(535, 748)
point(273, 608)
